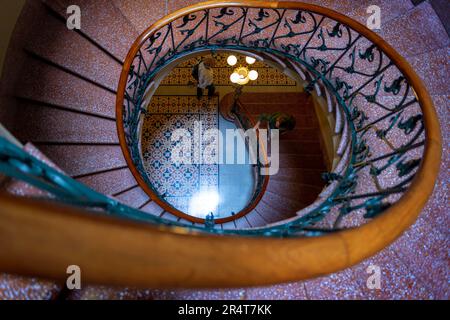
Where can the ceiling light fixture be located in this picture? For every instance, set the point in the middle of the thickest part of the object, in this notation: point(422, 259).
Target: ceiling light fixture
point(242, 75)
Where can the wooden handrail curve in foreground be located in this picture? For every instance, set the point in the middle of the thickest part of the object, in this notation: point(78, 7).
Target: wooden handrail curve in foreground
point(43, 239)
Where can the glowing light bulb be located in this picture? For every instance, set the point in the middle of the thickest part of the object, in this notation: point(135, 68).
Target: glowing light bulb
point(250, 60)
point(231, 60)
point(253, 75)
point(234, 77)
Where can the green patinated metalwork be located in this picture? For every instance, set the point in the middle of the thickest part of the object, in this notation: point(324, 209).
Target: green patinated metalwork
point(385, 124)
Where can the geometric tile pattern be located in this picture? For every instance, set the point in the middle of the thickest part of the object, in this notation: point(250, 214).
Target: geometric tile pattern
point(175, 182)
point(268, 76)
point(182, 104)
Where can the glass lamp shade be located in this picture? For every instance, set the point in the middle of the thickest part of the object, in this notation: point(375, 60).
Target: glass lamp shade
point(250, 60)
point(243, 81)
point(234, 78)
point(253, 75)
point(231, 60)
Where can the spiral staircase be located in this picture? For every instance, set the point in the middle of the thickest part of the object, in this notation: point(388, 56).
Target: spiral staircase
point(378, 131)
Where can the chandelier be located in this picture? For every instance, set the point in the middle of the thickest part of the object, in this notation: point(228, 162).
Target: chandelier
point(242, 75)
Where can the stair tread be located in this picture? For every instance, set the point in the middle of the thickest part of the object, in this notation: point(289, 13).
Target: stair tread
point(255, 219)
point(396, 9)
point(49, 84)
point(168, 216)
point(286, 206)
point(50, 39)
point(301, 161)
point(110, 182)
point(297, 184)
point(429, 37)
point(433, 68)
point(298, 174)
point(153, 208)
point(41, 123)
point(134, 197)
point(299, 193)
point(271, 214)
point(300, 147)
point(141, 13)
point(242, 223)
point(77, 160)
point(103, 23)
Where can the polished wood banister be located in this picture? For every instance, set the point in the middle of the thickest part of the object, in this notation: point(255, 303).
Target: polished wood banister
point(43, 239)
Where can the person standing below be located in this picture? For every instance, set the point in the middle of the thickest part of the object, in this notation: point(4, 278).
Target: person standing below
point(203, 73)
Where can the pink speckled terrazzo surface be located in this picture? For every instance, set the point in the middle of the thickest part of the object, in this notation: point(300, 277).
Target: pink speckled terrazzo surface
point(54, 42)
point(50, 85)
point(110, 182)
point(104, 23)
point(416, 266)
point(80, 160)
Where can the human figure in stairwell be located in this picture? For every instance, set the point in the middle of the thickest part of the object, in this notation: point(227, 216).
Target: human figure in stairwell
point(203, 73)
point(277, 120)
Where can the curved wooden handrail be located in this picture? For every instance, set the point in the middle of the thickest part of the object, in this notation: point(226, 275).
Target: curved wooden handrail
point(43, 239)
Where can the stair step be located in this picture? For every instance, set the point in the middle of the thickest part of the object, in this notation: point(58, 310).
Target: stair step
point(134, 197)
point(429, 37)
point(110, 182)
point(299, 147)
point(153, 208)
point(302, 135)
point(396, 9)
point(168, 216)
point(142, 13)
point(299, 175)
point(103, 23)
point(302, 161)
point(255, 219)
point(41, 123)
point(49, 38)
point(269, 213)
point(77, 160)
point(285, 206)
point(48, 84)
point(433, 68)
point(298, 192)
point(242, 223)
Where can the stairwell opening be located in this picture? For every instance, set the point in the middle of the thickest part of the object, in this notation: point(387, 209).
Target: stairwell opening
point(219, 178)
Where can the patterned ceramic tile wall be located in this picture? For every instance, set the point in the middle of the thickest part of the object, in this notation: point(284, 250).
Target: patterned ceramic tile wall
point(177, 183)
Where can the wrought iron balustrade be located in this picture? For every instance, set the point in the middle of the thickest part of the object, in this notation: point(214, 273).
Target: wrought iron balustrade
point(374, 88)
point(387, 132)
